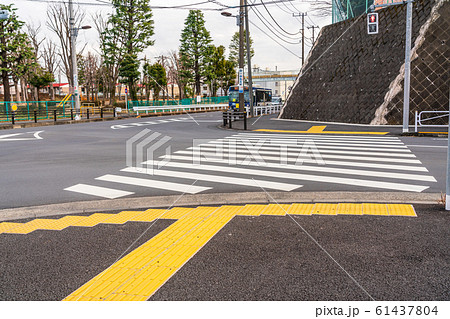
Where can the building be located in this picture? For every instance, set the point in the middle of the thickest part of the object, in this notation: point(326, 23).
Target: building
point(347, 9)
point(279, 81)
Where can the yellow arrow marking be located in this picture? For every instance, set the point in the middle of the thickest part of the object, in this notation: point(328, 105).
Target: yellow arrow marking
point(138, 275)
point(320, 130)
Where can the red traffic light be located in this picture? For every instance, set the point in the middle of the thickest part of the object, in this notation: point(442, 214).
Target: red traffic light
point(372, 18)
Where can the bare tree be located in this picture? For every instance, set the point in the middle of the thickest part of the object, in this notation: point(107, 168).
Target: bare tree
point(33, 34)
point(89, 69)
point(58, 22)
point(51, 63)
point(173, 76)
point(110, 59)
point(322, 8)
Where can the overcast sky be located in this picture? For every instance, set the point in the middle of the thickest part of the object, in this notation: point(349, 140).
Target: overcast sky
point(170, 22)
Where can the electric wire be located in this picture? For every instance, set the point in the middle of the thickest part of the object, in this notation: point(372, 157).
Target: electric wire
point(274, 40)
point(276, 20)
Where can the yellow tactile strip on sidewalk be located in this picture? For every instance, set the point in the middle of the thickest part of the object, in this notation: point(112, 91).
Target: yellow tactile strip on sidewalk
point(138, 275)
point(178, 212)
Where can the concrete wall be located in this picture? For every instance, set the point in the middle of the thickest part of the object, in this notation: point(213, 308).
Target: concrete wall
point(353, 77)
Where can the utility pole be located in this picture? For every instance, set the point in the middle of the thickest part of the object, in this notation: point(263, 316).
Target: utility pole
point(313, 27)
point(303, 33)
point(73, 52)
point(241, 55)
point(406, 88)
point(249, 62)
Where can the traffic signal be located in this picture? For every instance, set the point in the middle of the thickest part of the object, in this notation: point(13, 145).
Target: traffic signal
point(372, 23)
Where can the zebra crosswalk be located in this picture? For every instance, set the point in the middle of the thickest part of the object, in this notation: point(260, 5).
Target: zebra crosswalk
point(280, 162)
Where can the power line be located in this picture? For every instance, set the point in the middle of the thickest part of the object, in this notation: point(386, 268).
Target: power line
point(276, 21)
point(271, 28)
point(274, 40)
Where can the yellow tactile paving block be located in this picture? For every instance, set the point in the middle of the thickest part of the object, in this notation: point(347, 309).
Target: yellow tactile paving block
point(93, 220)
point(350, 209)
point(31, 226)
point(177, 212)
point(8, 226)
point(375, 209)
point(149, 215)
point(401, 210)
point(139, 274)
point(325, 209)
point(201, 212)
point(65, 222)
point(252, 210)
point(276, 209)
point(301, 209)
point(122, 217)
point(316, 129)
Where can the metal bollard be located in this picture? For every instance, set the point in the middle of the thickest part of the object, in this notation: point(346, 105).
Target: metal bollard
point(87, 114)
point(35, 116)
point(245, 121)
point(54, 115)
point(71, 114)
point(114, 112)
point(230, 119)
point(12, 118)
point(101, 112)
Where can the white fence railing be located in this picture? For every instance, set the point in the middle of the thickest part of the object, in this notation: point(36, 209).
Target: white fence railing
point(178, 108)
point(264, 109)
point(421, 121)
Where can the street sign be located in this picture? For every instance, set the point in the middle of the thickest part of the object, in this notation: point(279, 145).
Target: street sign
point(241, 80)
point(14, 107)
point(126, 90)
point(372, 23)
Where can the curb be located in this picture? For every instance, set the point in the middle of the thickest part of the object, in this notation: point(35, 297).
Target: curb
point(215, 199)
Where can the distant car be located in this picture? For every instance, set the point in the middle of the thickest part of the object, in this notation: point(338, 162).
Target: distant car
point(277, 100)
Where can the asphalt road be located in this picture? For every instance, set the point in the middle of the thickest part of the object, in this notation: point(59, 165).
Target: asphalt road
point(37, 168)
point(251, 258)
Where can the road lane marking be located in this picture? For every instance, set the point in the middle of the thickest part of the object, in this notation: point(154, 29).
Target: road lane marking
point(330, 137)
point(285, 175)
point(15, 137)
point(97, 191)
point(300, 142)
point(212, 178)
point(298, 155)
point(211, 156)
point(320, 129)
point(321, 168)
point(177, 187)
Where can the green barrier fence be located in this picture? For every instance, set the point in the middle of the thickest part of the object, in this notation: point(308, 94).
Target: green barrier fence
point(25, 110)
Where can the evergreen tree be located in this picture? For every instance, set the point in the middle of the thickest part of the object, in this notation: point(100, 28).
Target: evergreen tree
point(234, 49)
point(229, 77)
point(15, 49)
point(41, 78)
point(215, 67)
point(129, 73)
point(195, 40)
point(128, 33)
point(156, 78)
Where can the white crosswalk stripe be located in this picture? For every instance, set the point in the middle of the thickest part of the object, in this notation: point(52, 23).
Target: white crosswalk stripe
point(276, 162)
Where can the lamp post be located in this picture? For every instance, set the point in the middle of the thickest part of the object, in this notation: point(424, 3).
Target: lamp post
point(240, 23)
point(73, 52)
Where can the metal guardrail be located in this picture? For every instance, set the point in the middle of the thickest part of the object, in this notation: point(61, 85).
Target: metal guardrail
point(178, 108)
point(419, 120)
point(230, 116)
point(264, 109)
